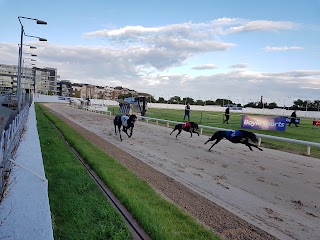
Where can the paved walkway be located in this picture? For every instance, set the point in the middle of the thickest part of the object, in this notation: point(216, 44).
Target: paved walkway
point(25, 210)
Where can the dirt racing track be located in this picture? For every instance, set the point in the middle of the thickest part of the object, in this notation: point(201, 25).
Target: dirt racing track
point(274, 191)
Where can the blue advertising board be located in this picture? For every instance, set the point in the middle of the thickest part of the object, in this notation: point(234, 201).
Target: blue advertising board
point(130, 100)
point(264, 123)
point(297, 120)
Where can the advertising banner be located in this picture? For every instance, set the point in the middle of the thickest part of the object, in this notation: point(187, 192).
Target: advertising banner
point(316, 123)
point(297, 120)
point(264, 123)
point(130, 99)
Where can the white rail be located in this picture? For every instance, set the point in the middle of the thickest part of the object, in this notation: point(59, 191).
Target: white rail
point(289, 140)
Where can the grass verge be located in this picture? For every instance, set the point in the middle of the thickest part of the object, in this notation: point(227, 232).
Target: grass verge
point(160, 218)
point(78, 207)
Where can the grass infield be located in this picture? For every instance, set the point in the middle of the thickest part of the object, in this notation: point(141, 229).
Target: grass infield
point(305, 131)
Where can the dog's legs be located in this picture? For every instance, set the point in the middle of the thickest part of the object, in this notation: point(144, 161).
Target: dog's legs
point(115, 128)
point(218, 140)
point(253, 145)
point(173, 131)
point(178, 133)
point(125, 129)
point(250, 145)
point(190, 132)
point(194, 131)
point(119, 128)
point(131, 130)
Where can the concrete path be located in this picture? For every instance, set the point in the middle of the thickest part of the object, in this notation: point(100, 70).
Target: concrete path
point(25, 210)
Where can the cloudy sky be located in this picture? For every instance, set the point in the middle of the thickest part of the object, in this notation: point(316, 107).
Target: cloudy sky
point(204, 49)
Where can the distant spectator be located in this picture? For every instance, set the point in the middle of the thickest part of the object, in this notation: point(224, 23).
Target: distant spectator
point(227, 115)
point(187, 112)
point(293, 118)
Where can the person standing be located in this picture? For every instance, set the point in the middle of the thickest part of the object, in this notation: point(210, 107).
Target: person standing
point(293, 118)
point(187, 112)
point(227, 115)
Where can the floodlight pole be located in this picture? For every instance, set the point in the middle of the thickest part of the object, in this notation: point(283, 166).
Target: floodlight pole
point(19, 74)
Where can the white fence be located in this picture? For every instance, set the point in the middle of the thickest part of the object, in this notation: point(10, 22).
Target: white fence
point(247, 110)
point(306, 143)
point(9, 141)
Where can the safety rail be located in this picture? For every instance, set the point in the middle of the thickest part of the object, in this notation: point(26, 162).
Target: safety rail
point(9, 142)
point(97, 108)
point(289, 140)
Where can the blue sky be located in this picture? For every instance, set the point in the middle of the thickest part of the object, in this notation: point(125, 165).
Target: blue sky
point(202, 49)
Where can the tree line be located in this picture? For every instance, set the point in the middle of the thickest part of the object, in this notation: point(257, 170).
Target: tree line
point(297, 104)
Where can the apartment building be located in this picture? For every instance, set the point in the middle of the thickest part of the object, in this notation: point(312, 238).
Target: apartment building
point(81, 90)
point(64, 88)
point(8, 79)
point(33, 80)
point(46, 81)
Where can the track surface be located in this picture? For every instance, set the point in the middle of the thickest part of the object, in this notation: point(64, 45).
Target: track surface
point(234, 191)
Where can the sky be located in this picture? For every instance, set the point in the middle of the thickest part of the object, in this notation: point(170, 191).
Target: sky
point(204, 49)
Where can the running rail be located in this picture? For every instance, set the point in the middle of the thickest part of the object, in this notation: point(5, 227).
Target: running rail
point(137, 231)
point(289, 140)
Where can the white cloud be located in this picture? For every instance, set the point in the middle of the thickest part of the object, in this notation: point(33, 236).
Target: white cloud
point(284, 48)
point(239, 65)
point(263, 25)
point(205, 67)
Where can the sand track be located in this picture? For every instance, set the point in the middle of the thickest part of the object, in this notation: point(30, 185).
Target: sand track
point(238, 193)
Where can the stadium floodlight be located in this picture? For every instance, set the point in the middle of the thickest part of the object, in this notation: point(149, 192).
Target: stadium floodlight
point(19, 74)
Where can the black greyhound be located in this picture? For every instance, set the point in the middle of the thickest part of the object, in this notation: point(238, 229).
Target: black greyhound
point(237, 136)
point(126, 122)
point(188, 127)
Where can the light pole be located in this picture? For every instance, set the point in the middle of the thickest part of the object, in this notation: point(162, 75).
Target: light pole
point(31, 54)
point(20, 55)
point(25, 63)
point(31, 47)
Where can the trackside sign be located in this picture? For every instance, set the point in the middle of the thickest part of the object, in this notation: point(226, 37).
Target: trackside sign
point(264, 123)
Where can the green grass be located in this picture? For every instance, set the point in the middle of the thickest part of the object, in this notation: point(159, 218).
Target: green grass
point(78, 207)
point(160, 218)
point(304, 132)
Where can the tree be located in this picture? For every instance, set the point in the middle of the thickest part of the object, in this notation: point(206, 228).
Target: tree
point(210, 102)
point(298, 103)
point(272, 105)
point(199, 102)
point(161, 100)
point(175, 100)
point(251, 104)
point(316, 105)
point(221, 101)
point(151, 99)
point(123, 96)
point(77, 94)
point(187, 100)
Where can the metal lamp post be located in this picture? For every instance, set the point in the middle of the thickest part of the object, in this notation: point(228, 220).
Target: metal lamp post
point(30, 46)
point(20, 55)
point(28, 85)
point(23, 67)
point(31, 54)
